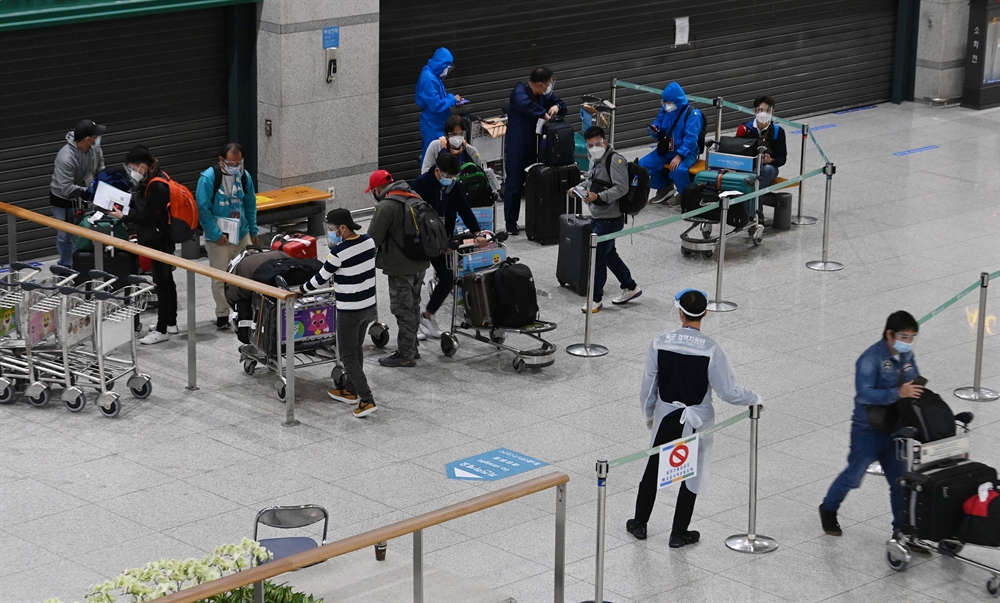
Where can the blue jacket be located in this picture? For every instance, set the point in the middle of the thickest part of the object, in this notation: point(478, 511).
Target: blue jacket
point(434, 101)
point(686, 140)
point(522, 118)
point(218, 204)
point(877, 377)
point(446, 203)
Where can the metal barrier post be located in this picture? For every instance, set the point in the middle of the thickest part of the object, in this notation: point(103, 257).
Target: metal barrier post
point(289, 360)
point(825, 265)
point(751, 542)
point(98, 255)
point(586, 349)
point(799, 219)
point(718, 117)
point(977, 393)
point(614, 99)
point(11, 238)
point(560, 566)
point(602, 477)
point(192, 334)
point(258, 592)
point(418, 566)
point(719, 305)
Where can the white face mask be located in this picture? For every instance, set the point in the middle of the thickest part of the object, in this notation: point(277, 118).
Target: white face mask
point(669, 107)
point(134, 175)
point(548, 90)
point(456, 140)
point(97, 142)
point(596, 152)
point(764, 118)
point(446, 71)
point(232, 170)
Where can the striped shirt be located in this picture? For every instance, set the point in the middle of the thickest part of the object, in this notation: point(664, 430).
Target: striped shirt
point(351, 264)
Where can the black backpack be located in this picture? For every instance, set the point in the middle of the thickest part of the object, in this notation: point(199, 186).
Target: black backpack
point(695, 196)
point(294, 271)
point(637, 196)
point(514, 297)
point(476, 185)
point(217, 182)
point(557, 145)
point(929, 414)
point(424, 234)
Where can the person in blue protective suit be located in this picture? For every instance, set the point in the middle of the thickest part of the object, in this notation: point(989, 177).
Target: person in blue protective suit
point(434, 101)
point(770, 135)
point(528, 103)
point(883, 374)
point(677, 128)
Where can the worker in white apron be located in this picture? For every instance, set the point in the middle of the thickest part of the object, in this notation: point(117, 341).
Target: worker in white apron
point(684, 366)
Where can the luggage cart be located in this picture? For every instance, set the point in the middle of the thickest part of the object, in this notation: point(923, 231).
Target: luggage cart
point(315, 337)
point(15, 371)
point(487, 134)
point(921, 457)
point(534, 358)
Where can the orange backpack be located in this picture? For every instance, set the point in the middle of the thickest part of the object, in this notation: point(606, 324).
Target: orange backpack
point(182, 209)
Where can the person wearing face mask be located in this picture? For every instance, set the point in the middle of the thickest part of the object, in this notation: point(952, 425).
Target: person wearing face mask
point(351, 266)
point(225, 190)
point(76, 165)
point(452, 142)
point(528, 103)
point(762, 128)
point(606, 183)
point(883, 374)
point(677, 129)
point(434, 101)
point(447, 197)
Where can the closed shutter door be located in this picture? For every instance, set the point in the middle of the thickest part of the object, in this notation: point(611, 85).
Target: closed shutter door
point(159, 80)
point(810, 56)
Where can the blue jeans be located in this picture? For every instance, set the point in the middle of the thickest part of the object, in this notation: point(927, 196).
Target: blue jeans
point(767, 175)
point(654, 164)
point(65, 242)
point(607, 257)
point(868, 446)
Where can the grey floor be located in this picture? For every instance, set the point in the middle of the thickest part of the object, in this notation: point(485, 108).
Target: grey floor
point(83, 497)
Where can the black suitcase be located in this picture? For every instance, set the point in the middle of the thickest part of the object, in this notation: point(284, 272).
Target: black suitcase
point(933, 499)
point(573, 265)
point(558, 143)
point(515, 300)
point(117, 262)
point(477, 294)
point(545, 200)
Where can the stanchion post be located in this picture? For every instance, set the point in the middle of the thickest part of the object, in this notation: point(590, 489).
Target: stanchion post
point(752, 542)
point(719, 305)
point(717, 102)
point(98, 255)
point(560, 561)
point(799, 219)
point(825, 265)
point(614, 101)
point(192, 332)
point(602, 478)
point(418, 566)
point(977, 393)
point(289, 361)
point(11, 238)
point(586, 349)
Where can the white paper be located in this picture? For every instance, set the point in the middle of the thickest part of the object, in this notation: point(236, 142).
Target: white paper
point(678, 461)
point(231, 228)
point(682, 27)
point(108, 197)
point(539, 126)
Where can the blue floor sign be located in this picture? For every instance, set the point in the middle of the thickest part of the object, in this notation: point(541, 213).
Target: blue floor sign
point(920, 150)
point(491, 466)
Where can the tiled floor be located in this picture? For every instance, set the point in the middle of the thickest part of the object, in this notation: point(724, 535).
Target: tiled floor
point(82, 497)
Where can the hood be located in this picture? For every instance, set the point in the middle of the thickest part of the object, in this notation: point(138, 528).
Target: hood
point(71, 140)
point(674, 94)
point(395, 185)
point(441, 59)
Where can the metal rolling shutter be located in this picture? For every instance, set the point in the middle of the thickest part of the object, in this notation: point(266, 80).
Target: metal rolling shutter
point(160, 80)
point(810, 56)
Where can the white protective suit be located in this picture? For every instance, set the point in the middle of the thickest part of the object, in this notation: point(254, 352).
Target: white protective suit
point(698, 414)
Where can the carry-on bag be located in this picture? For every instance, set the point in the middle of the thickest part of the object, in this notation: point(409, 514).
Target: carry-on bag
point(929, 414)
point(515, 301)
point(699, 195)
point(981, 524)
point(477, 295)
point(120, 263)
point(297, 245)
point(573, 265)
point(476, 185)
point(105, 225)
point(557, 145)
point(933, 499)
point(734, 145)
point(545, 200)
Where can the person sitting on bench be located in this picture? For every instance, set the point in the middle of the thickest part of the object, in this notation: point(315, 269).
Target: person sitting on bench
point(677, 129)
point(770, 135)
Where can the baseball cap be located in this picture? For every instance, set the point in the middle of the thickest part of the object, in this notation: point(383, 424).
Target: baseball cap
point(378, 178)
point(87, 128)
point(342, 217)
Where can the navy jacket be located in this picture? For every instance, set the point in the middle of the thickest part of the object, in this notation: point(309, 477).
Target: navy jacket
point(446, 203)
point(522, 117)
point(773, 138)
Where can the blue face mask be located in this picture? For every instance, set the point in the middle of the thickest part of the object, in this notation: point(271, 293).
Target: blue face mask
point(333, 237)
point(902, 346)
point(446, 181)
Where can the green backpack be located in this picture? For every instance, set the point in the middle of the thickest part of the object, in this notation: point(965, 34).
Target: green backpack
point(477, 186)
point(107, 225)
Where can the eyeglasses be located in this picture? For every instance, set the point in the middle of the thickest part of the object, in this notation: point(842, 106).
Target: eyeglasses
point(599, 143)
point(443, 175)
point(905, 337)
point(233, 163)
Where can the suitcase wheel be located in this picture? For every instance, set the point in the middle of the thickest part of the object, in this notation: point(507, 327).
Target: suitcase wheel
point(993, 586)
point(449, 344)
point(519, 365)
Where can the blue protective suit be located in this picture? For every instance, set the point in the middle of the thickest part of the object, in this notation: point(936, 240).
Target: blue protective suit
point(434, 101)
point(685, 139)
point(521, 143)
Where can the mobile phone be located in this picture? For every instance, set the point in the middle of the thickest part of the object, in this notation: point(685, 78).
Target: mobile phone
point(921, 381)
point(464, 101)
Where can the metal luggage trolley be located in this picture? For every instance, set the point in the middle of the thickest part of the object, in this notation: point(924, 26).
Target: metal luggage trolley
point(465, 260)
point(923, 456)
point(15, 364)
point(487, 135)
point(315, 336)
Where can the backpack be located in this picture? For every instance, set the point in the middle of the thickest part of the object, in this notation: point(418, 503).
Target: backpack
point(476, 185)
point(115, 176)
point(107, 225)
point(557, 146)
point(514, 296)
point(182, 209)
point(637, 196)
point(695, 196)
point(424, 234)
point(295, 271)
point(929, 414)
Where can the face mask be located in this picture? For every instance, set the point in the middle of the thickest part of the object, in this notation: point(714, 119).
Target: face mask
point(669, 107)
point(548, 90)
point(133, 175)
point(446, 71)
point(446, 181)
point(232, 170)
point(596, 152)
point(763, 118)
point(97, 142)
point(456, 141)
point(333, 237)
point(902, 346)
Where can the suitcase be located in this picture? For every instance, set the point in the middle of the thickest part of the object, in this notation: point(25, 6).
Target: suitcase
point(698, 195)
point(933, 499)
point(731, 181)
point(297, 245)
point(119, 263)
point(573, 265)
point(515, 300)
point(981, 524)
point(545, 200)
point(477, 293)
point(558, 144)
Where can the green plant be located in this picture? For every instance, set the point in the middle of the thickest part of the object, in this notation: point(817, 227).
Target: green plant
point(273, 593)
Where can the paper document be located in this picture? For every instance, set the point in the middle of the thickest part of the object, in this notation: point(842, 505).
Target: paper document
point(231, 228)
point(539, 126)
point(682, 28)
point(110, 198)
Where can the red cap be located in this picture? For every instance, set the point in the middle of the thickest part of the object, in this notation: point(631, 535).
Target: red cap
point(378, 178)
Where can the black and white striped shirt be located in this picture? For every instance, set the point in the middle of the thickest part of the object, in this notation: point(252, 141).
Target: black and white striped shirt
point(351, 264)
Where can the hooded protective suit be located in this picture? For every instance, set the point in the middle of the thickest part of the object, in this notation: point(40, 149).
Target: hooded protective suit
point(684, 124)
point(434, 101)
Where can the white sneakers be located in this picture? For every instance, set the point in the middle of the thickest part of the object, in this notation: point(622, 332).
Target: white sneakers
point(428, 327)
point(171, 330)
point(627, 296)
point(154, 337)
point(594, 310)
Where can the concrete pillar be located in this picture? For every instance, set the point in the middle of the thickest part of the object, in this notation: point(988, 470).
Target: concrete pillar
point(322, 134)
point(941, 49)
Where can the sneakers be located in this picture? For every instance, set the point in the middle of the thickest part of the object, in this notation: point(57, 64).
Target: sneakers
point(154, 337)
point(627, 296)
point(421, 336)
point(829, 520)
point(673, 199)
point(342, 395)
point(171, 330)
point(662, 194)
point(636, 529)
point(679, 539)
point(597, 308)
point(429, 327)
point(365, 408)
point(222, 323)
point(512, 230)
point(395, 361)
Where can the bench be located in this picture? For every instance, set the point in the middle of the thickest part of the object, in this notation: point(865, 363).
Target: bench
point(293, 204)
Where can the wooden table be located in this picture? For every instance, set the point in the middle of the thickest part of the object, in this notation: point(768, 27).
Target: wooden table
point(293, 203)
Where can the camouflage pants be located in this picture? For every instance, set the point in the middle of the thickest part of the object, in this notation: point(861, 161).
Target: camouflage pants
point(404, 303)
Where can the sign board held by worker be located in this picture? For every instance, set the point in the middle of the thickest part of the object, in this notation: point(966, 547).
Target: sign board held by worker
point(678, 461)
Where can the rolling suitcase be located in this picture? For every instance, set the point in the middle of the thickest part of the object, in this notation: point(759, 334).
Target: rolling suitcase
point(933, 499)
point(545, 200)
point(297, 245)
point(573, 264)
point(119, 263)
point(477, 293)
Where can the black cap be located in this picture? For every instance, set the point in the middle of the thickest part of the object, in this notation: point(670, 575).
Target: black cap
point(342, 217)
point(87, 128)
